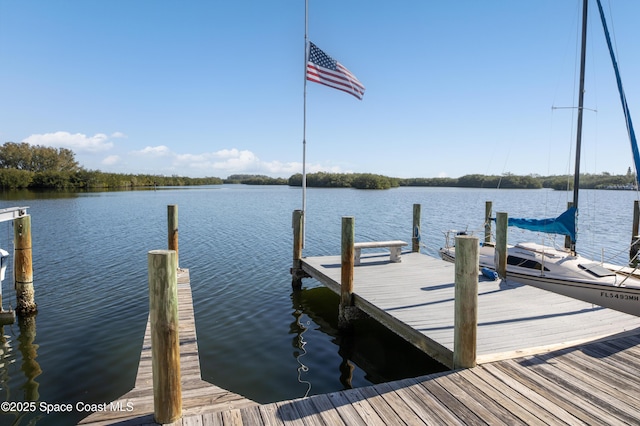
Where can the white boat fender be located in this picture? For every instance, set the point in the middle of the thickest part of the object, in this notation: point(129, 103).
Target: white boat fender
point(492, 275)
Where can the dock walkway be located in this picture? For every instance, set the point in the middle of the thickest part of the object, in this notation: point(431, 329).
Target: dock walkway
point(596, 383)
point(415, 299)
point(198, 396)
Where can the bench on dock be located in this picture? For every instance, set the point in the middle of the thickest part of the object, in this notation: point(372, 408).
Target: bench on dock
point(394, 247)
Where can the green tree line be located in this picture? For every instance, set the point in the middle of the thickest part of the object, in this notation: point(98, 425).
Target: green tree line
point(346, 180)
point(506, 181)
point(255, 180)
point(34, 166)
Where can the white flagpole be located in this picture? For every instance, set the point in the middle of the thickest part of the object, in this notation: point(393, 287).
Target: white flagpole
point(304, 124)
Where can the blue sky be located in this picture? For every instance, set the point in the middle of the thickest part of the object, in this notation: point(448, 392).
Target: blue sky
point(213, 88)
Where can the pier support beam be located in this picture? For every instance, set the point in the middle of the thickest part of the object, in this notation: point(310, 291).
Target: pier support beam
point(165, 342)
point(466, 302)
point(415, 240)
point(488, 207)
point(347, 311)
point(23, 267)
point(500, 260)
point(297, 274)
point(172, 230)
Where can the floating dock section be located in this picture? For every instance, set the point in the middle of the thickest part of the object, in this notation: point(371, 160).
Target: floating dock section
point(415, 299)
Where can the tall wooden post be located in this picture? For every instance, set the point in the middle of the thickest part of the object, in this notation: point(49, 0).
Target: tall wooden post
point(172, 230)
point(488, 207)
point(23, 267)
point(165, 343)
point(633, 252)
point(296, 270)
point(500, 260)
point(346, 278)
point(415, 240)
point(466, 302)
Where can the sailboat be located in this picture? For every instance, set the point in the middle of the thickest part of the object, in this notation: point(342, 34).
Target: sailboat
point(560, 270)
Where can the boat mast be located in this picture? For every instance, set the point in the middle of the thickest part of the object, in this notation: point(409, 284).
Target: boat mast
point(583, 55)
point(623, 97)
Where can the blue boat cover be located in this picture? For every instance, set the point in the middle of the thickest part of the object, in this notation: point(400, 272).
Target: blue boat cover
point(565, 224)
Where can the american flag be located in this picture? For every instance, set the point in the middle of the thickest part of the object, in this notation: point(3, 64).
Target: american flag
point(323, 69)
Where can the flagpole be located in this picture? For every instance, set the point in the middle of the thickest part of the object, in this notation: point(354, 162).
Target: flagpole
point(304, 123)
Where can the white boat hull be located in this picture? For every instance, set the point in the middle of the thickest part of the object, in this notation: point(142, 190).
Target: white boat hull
point(564, 274)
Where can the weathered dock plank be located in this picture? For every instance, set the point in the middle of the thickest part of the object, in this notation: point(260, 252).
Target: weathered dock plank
point(415, 299)
point(573, 386)
point(198, 397)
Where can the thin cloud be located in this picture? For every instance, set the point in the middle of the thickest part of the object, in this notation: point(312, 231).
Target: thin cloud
point(156, 151)
point(77, 142)
point(111, 160)
point(230, 161)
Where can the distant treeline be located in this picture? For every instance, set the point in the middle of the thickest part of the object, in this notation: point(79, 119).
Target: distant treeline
point(256, 180)
point(93, 179)
point(33, 166)
point(510, 181)
point(507, 181)
point(321, 180)
point(346, 180)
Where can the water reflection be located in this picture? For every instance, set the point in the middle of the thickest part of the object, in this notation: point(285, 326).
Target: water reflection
point(367, 345)
point(5, 360)
point(299, 343)
point(27, 194)
point(346, 352)
point(30, 368)
point(28, 349)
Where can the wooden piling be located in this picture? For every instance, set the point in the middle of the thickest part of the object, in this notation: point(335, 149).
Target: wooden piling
point(501, 244)
point(466, 302)
point(415, 240)
point(633, 251)
point(172, 230)
point(488, 207)
point(23, 267)
point(165, 343)
point(296, 270)
point(345, 313)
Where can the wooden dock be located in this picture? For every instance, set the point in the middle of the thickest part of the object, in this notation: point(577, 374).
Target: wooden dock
point(198, 396)
point(415, 299)
point(595, 382)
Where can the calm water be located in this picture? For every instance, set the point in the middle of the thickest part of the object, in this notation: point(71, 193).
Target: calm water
point(256, 336)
